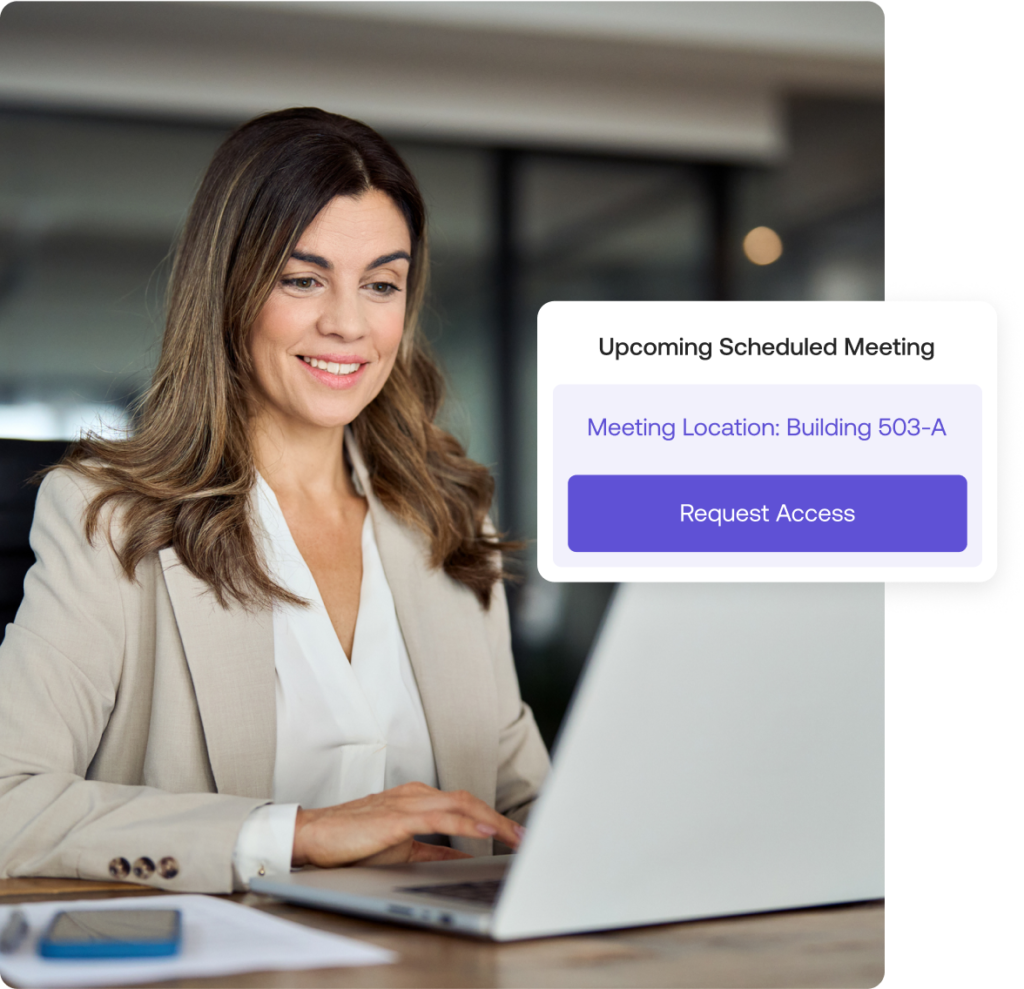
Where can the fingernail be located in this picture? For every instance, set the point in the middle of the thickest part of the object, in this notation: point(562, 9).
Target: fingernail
point(486, 829)
point(519, 830)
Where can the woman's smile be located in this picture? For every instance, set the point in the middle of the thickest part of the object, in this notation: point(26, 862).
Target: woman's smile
point(333, 365)
point(335, 372)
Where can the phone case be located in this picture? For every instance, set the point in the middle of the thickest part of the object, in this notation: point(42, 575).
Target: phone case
point(105, 946)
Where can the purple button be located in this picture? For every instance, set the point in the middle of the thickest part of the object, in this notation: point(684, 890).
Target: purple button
point(759, 513)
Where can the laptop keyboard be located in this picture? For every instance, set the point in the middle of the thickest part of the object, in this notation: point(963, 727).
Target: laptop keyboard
point(484, 891)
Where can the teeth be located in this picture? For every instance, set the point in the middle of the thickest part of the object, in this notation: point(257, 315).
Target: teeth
point(330, 366)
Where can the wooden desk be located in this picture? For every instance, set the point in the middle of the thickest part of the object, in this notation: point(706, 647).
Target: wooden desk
point(830, 946)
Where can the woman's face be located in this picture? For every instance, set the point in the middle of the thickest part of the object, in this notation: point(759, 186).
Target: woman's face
point(327, 337)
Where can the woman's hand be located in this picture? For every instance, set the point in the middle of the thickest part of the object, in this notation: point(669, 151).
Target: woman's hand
point(379, 829)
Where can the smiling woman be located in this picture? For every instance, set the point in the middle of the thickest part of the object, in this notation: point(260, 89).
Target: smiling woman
point(268, 629)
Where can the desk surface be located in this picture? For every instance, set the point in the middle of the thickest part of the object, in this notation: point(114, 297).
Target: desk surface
point(829, 946)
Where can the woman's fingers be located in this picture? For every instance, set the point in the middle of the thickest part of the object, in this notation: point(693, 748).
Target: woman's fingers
point(487, 821)
point(421, 809)
point(455, 823)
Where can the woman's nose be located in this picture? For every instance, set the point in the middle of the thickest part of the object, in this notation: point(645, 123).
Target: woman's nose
point(341, 316)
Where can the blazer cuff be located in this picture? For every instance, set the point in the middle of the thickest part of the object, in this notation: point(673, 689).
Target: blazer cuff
point(264, 843)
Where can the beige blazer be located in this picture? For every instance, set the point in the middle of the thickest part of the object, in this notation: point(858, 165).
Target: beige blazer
point(137, 719)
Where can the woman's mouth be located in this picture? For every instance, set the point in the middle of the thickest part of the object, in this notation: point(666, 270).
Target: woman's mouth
point(331, 367)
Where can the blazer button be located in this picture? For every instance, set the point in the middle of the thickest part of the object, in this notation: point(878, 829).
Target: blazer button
point(168, 867)
point(143, 867)
point(119, 868)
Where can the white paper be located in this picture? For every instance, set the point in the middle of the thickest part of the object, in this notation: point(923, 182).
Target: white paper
point(218, 938)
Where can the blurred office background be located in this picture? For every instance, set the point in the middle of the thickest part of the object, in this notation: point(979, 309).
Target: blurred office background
point(566, 151)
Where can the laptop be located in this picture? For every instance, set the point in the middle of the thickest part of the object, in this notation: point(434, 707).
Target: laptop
point(723, 754)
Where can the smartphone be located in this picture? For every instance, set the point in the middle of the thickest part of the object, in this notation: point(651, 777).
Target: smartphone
point(112, 934)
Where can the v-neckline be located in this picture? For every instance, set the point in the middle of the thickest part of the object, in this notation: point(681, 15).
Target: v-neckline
point(311, 591)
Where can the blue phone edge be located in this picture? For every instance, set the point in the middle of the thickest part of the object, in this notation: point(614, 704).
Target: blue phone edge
point(59, 950)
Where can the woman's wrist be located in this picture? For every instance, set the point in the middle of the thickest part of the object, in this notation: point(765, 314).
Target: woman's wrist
point(300, 851)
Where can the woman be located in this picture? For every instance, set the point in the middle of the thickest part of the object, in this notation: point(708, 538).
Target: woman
point(268, 629)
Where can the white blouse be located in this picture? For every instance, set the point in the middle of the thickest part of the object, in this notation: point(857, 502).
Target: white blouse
point(344, 729)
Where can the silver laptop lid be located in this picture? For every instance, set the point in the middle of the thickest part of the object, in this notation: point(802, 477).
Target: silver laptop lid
point(724, 755)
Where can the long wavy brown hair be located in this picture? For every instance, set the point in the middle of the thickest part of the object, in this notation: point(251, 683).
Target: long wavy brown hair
point(184, 477)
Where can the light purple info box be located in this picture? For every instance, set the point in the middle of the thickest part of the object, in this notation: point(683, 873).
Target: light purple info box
point(905, 460)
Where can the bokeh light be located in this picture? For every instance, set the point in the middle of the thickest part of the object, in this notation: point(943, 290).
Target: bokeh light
point(762, 245)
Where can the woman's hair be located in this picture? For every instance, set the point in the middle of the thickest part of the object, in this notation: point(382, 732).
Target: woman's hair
point(185, 475)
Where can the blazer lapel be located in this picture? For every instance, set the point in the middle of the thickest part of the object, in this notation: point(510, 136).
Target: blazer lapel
point(230, 655)
point(447, 647)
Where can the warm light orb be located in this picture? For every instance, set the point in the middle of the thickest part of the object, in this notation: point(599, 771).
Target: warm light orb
point(762, 245)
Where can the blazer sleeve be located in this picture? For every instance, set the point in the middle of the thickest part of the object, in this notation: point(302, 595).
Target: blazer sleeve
point(61, 665)
point(522, 756)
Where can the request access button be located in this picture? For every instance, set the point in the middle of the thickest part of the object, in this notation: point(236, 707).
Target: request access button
point(756, 513)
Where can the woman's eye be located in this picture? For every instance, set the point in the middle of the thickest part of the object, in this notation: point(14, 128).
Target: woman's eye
point(383, 288)
point(304, 282)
